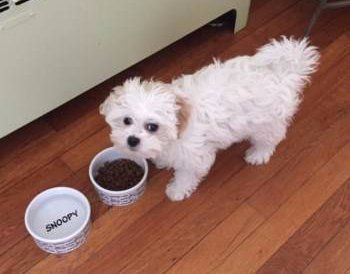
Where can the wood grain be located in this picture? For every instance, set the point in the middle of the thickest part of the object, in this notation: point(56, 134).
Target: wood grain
point(334, 258)
point(220, 242)
point(272, 195)
point(48, 149)
point(129, 224)
point(82, 154)
point(16, 143)
point(291, 215)
point(254, 251)
point(330, 27)
point(297, 253)
point(14, 200)
point(12, 244)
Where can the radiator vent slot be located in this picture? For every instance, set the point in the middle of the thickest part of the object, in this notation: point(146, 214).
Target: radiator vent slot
point(10, 4)
point(19, 2)
point(4, 5)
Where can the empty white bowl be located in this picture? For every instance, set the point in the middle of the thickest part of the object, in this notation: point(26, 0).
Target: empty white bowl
point(122, 197)
point(58, 219)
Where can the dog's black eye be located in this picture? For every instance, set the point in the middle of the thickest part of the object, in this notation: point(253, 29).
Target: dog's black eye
point(127, 121)
point(151, 127)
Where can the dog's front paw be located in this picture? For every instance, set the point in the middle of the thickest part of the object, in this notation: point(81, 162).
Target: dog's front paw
point(160, 165)
point(174, 192)
point(255, 156)
point(177, 192)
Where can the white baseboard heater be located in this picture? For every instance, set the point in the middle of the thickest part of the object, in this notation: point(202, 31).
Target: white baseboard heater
point(54, 50)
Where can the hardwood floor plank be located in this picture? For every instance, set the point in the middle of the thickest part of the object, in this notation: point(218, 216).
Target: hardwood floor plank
point(79, 181)
point(9, 262)
point(14, 201)
point(335, 79)
point(273, 194)
point(338, 22)
point(81, 129)
point(133, 223)
point(48, 149)
point(297, 253)
point(155, 231)
point(85, 106)
point(21, 257)
point(20, 140)
point(222, 240)
point(104, 229)
point(331, 70)
point(29, 161)
point(266, 240)
point(82, 154)
point(334, 258)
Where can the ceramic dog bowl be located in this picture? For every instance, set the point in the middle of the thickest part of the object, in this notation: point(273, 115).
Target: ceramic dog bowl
point(122, 197)
point(58, 219)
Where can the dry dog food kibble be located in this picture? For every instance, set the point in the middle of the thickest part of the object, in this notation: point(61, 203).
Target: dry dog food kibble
point(119, 174)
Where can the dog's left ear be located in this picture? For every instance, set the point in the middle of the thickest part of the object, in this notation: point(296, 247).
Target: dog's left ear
point(107, 105)
point(183, 114)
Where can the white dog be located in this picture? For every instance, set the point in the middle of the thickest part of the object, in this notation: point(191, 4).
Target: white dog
point(182, 124)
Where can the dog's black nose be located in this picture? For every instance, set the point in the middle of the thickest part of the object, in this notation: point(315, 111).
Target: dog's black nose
point(133, 141)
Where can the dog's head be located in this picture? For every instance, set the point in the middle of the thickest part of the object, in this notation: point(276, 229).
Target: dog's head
point(145, 117)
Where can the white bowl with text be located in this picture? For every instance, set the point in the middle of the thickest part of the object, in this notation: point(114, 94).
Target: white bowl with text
point(58, 219)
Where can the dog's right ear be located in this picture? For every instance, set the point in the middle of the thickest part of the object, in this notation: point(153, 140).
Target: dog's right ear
point(183, 114)
point(106, 106)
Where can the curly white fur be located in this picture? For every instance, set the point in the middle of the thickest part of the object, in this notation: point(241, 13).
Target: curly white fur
point(245, 98)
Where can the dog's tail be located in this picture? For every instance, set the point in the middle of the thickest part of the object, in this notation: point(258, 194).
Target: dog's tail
point(289, 56)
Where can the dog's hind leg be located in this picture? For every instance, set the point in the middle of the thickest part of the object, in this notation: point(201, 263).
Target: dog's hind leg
point(264, 143)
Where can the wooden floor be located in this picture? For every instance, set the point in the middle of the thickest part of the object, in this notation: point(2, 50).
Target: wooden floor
point(292, 215)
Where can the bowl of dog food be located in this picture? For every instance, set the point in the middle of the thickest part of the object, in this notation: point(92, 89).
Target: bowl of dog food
point(58, 219)
point(118, 178)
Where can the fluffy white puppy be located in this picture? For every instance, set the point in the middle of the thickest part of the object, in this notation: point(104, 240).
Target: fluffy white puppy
point(182, 124)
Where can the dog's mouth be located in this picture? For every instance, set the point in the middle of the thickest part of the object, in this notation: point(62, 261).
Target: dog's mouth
point(143, 154)
point(133, 149)
point(136, 151)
